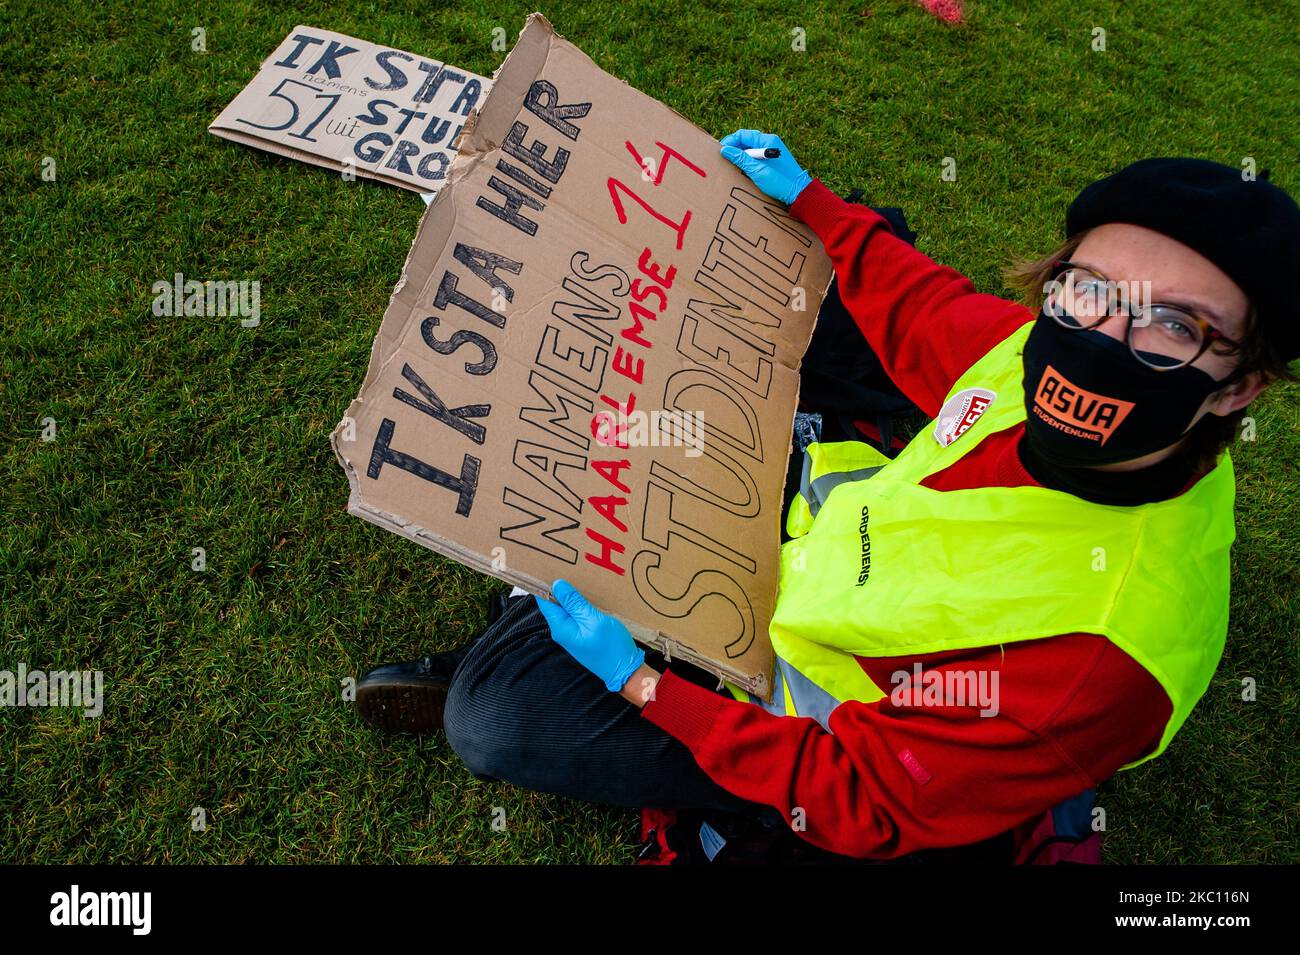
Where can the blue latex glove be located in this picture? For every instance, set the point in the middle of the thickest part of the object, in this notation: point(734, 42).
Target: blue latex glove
point(781, 178)
point(596, 640)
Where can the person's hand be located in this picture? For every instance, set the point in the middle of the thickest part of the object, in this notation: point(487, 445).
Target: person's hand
point(781, 178)
point(596, 640)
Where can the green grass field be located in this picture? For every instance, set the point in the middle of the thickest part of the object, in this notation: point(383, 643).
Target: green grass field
point(223, 688)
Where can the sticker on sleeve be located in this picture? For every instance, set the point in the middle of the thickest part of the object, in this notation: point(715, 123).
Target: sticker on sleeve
point(960, 412)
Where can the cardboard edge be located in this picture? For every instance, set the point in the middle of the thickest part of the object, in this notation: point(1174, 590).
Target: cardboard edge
point(533, 54)
point(288, 152)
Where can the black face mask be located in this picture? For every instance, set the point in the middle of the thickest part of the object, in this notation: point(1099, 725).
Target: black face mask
point(1088, 401)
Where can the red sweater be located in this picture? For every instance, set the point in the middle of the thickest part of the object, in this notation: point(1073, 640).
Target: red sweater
point(889, 780)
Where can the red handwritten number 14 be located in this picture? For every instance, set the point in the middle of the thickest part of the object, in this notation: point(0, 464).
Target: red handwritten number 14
point(615, 185)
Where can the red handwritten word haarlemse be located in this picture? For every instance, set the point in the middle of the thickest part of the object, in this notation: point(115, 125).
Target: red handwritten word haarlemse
point(653, 283)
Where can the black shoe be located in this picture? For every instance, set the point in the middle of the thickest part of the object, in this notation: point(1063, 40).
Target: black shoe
point(408, 697)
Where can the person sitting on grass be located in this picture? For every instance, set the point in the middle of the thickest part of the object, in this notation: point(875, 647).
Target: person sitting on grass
point(1061, 535)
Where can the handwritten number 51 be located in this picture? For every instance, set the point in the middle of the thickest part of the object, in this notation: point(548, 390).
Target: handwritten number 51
point(293, 117)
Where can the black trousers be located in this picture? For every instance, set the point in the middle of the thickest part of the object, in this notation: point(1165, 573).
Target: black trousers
point(522, 710)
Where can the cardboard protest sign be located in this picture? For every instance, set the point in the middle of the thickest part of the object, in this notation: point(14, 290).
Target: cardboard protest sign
point(349, 105)
point(589, 368)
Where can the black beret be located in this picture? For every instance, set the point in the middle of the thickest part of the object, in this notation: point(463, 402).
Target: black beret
point(1248, 228)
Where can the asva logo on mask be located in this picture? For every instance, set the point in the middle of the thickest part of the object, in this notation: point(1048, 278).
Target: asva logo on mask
point(1078, 411)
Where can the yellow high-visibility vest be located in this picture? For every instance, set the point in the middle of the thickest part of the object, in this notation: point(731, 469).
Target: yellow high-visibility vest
point(880, 566)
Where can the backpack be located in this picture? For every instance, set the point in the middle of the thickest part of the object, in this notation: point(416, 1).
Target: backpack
point(842, 380)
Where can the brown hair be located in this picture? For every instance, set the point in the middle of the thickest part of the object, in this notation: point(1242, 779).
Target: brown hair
point(1206, 441)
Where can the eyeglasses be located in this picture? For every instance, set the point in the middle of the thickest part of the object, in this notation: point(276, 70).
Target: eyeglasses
point(1161, 336)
